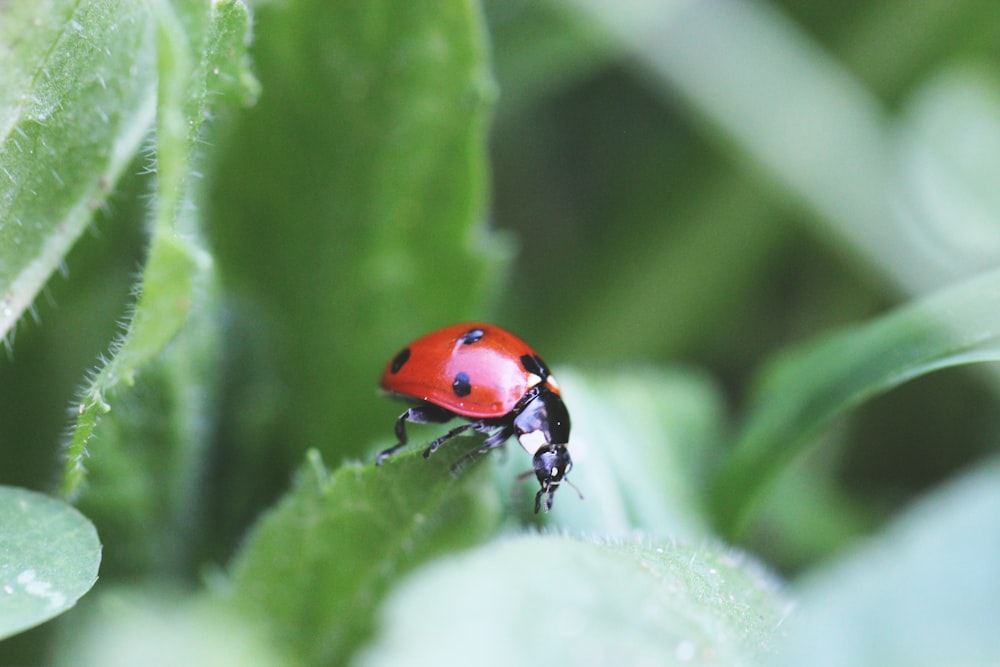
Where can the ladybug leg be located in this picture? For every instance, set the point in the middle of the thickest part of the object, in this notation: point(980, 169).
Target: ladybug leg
point(458, 430)
point(420, 414)
point(496, 439)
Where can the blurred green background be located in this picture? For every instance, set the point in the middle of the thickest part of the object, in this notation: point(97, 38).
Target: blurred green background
point(715, 181)
point(669, 184)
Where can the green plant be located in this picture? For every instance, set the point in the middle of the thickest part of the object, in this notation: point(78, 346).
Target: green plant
point(299, 229)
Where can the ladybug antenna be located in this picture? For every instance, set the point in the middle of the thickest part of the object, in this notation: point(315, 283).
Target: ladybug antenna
point(575, 488)
point(547, 492)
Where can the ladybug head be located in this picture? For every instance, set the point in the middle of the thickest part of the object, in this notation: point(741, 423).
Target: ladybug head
point(541, 423)
point(551, 464)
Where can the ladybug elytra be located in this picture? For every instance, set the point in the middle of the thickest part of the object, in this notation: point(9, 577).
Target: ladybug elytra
point(493, 380)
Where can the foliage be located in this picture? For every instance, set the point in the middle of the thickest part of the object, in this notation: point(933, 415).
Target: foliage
point(50, 558)
point(803, 214)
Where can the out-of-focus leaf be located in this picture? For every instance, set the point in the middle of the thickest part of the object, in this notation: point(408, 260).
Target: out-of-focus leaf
point(795, 111)
point(641, 444)
point(77, 97)
point(803, 389)
point(949, 149)
point(49, 554)
point(541, 49)
point(926, 592)
point(348, 201)
point(153, 628)
point(315, 567)
point(544, 599)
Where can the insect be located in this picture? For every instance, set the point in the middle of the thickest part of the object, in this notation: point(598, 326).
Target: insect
point(493, 380)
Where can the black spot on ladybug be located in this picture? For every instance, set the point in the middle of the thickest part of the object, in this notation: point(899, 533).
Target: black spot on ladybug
point(461, 385)
point(534, 365)
point(472, 336)
point(400, 359)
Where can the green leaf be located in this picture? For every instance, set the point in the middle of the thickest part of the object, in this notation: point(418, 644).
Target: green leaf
point(544, 599)
point(954, 205)
point(136, 626)
point(641, 444)
point(837, 157)
point(201, 50)
point(177, 267)
point(77, 95)
point(316, 566)
point(348, 202)
point(805, 388)
point(925, 592)
point(146, 483)
point(49, 554)
point(167, 293)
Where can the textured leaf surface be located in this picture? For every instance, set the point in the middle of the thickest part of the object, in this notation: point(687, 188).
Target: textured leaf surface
point(552, 600)
point(77, 96)
point(49, 555)
point(192, 47)
point(316, 566)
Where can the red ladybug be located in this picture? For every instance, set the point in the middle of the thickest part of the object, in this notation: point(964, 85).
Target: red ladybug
point(496, 382)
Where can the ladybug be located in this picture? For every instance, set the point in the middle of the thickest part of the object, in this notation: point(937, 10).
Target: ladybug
point(493, 380)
